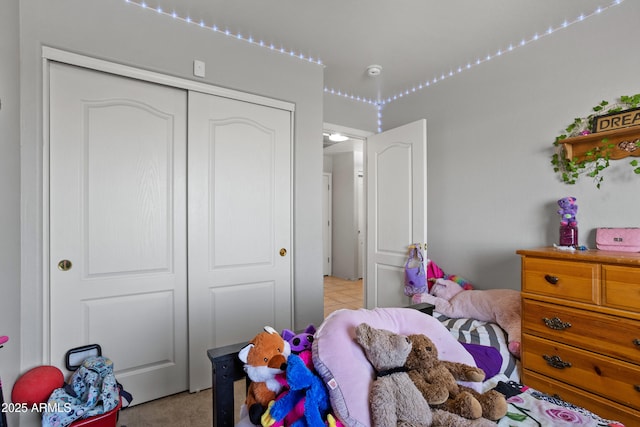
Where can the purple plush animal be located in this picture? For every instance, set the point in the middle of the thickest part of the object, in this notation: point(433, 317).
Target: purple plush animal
point(568, 210)
point(301, 341)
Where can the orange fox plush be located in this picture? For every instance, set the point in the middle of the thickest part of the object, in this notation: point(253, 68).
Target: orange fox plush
point(264, 357)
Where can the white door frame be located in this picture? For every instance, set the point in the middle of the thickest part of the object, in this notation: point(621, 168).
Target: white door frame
point(49, 55)
point(326, 233)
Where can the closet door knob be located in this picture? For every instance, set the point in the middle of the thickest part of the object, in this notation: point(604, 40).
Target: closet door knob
point(64, 265)
point(283, 252)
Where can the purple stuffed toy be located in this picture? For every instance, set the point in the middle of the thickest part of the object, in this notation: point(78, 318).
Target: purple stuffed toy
point(299, 342)
point(568, 210)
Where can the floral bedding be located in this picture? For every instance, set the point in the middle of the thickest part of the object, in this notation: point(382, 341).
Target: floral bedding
point(529, 407)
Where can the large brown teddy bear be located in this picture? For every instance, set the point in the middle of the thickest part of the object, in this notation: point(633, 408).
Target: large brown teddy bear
point(436, 380)
point(394, 399)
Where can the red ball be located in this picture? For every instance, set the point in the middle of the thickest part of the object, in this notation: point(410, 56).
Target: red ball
point(36, 385)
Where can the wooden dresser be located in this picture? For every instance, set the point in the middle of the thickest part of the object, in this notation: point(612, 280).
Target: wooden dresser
point(581, 328)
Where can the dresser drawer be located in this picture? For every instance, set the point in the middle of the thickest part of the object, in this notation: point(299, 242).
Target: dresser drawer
point(596, 404)
point(576, 281)
point(601, 333)
point(621, 287)
point(610, 378)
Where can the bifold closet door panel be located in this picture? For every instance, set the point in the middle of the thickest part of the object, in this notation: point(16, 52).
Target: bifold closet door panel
point(239, 215)
point(117, 221)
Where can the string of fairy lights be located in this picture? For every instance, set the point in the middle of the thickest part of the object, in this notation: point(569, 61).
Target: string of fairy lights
point(225, 31)
point(378, 103)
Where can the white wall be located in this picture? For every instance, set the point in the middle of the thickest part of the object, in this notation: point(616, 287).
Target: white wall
point(491, 187)
point(350, 113)
point(9, 194)
point(344, 233)
point(127, 34)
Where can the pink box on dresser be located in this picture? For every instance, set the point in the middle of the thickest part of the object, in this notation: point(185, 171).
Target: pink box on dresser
point(618, 239)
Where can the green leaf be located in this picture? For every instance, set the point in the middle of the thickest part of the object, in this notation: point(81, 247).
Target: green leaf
point(516, 417)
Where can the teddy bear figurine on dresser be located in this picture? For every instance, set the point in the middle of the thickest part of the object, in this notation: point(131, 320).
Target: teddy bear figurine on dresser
point(568, 222)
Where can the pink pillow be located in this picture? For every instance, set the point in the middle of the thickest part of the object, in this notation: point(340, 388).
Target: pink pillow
point(343, 366)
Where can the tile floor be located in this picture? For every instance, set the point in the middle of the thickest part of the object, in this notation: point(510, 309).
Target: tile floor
point(340, 293)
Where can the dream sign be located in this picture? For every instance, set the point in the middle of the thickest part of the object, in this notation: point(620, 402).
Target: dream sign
point(619, 120)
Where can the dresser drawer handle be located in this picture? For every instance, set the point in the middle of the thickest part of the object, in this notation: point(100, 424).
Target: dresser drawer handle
point(556, 362)
point(551, 279)
point(636, 342)
point(637, 387)
point(556, 324)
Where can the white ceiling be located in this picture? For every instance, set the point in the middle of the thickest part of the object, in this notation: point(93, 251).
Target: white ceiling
point(415, 41)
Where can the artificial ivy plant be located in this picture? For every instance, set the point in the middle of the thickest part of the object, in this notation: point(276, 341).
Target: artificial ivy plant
point(596, 160)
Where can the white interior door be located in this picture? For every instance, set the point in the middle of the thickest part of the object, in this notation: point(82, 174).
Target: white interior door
point(396, 182)
point(239, 225)
point(118, 226)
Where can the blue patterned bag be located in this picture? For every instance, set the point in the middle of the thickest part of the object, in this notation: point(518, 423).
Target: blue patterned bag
point(92, 390)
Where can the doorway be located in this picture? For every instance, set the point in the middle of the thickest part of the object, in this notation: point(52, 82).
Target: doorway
point(344, 223)
point(395, 180)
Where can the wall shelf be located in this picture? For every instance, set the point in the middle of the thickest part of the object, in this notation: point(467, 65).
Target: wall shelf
point(625, 143)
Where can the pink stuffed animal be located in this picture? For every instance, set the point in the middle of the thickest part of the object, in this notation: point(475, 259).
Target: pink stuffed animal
point(501, 306)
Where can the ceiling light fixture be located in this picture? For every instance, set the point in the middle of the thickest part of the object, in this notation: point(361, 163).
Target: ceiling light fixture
point(374, 70)
point(336, 137)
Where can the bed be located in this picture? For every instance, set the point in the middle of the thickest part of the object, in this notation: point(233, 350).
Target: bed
point(346, 372)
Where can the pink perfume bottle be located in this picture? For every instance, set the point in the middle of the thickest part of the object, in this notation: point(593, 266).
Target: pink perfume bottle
point(568, 235)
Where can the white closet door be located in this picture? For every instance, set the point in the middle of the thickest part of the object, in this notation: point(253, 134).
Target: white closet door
point(118, 226)
point(396, 209)
point(239, 196)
